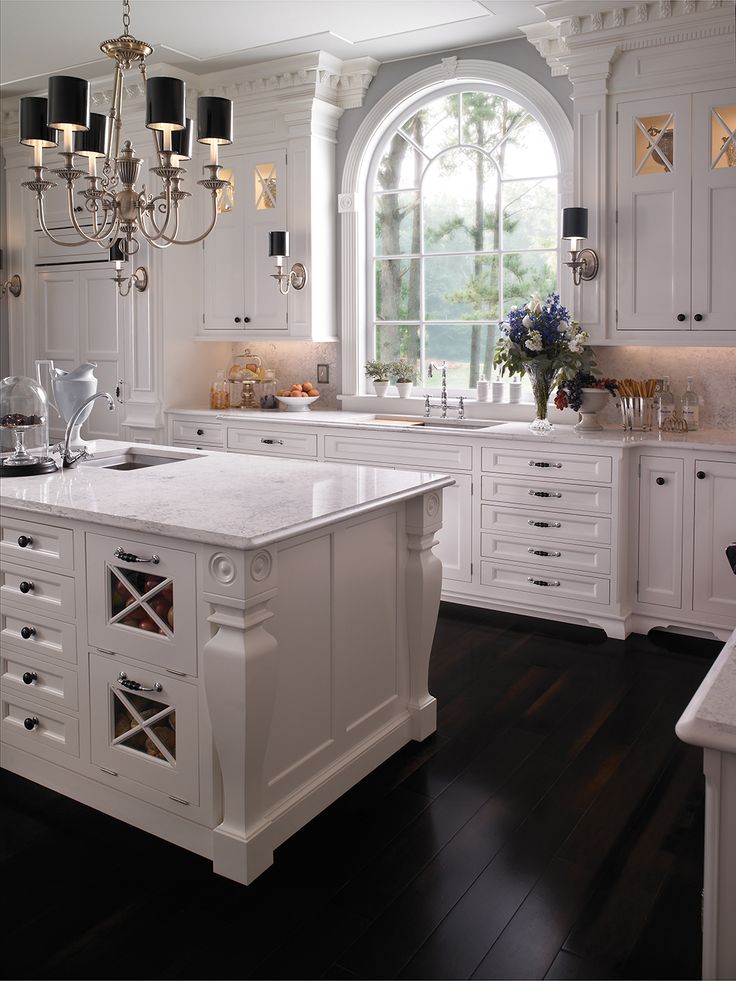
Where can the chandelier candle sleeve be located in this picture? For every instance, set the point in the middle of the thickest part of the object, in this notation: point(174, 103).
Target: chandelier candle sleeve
point(95, 142)
point(33, 129)
point(182, 142)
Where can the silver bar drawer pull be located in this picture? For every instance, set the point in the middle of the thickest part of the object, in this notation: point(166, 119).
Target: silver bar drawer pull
point(543, 524)
point(120, 553)
point(543, 463)
point(542, 582)
point(272, 442)
point(127, 682)
point(541, 551)
point(533, 493)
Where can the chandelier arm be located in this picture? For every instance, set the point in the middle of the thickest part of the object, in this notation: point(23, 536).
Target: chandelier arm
point(97, 239)
point(149, 214)
point(45, 230)
point(199, 238)
point(153, 240)
point(148, 210)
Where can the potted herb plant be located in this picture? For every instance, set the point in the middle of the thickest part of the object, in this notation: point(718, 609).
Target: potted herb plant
point(378, 372)
point(405, 374)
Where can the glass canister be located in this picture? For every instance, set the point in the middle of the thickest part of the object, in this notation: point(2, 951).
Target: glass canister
point(220, 392)
point(265, 390)
point(23, 408)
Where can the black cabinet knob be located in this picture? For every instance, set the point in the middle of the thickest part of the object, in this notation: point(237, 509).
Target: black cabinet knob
point(660, 481)
point(24, 541)
point(30, 723)
point(25, 586)
point(29, 677)
point(79, 209)
point(698, 317)
point(700, 474)
point(200, 432)
point(246, 320)
point(681, 317)
point(27, 632)
point(237, 320)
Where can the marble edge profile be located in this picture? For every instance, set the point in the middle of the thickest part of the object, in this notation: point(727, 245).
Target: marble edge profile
point(700, 730)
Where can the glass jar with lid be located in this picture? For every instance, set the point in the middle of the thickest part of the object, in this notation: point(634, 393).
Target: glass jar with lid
point(24, 413)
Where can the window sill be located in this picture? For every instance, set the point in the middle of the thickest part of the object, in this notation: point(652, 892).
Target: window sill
point(414, 406)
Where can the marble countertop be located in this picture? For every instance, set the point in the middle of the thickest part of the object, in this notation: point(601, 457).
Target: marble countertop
point(227, 499)
point(710, 718)
point(705, 439)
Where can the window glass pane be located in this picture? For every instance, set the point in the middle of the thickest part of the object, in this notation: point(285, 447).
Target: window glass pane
point(488, 118)
point(723, 136)
point(397, 289)
point(400, 166)
point(398, 229)
point(654, 144)
point(467, 349)
point(436, 125)
point(530, 214)
point(264, 177)
point(458, 287)
point(527, 273)
point(527, 152)
point(394, 341)
point(459, 199)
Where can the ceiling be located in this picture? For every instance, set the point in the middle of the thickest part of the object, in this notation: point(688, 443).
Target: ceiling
point(44, 37)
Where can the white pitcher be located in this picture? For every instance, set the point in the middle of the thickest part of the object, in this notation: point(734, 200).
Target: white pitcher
point(67, 392)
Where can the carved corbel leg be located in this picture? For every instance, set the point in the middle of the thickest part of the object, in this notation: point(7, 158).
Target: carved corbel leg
point(423, 589)
point(240, 676)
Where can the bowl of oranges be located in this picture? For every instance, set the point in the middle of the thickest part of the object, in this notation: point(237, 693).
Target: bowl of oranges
point(298, 397)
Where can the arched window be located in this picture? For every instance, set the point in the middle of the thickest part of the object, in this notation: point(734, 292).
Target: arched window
point(461, 185)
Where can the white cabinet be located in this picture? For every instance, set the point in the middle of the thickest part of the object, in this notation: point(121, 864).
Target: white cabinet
point(239, 294)
point(660, 531)
point(676, 211)
point(714, 584)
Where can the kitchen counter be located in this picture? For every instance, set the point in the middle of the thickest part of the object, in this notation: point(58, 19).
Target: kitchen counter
point(214, 497)
point(710, 718)
point(705, 439)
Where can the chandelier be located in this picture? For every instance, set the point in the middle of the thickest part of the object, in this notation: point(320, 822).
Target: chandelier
point(120, 213)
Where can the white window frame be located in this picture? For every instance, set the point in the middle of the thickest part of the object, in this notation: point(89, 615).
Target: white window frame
point(450, 75)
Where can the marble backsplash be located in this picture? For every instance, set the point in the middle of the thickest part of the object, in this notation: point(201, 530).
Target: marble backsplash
point(296, 362)
point(713, 370)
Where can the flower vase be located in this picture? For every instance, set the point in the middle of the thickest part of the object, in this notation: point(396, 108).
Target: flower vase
point(542, 378)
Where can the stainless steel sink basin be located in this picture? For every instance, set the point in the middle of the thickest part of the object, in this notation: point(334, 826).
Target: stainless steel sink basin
point(135, 460)
point(432, 423)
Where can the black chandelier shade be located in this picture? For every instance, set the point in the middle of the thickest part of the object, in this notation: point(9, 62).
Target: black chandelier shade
point(165, 103)
point(214, 120)
point(574, 223)
point(68, 106)
point(182, 141)
point(33, 130)
point(96, 141)
point(278, 243)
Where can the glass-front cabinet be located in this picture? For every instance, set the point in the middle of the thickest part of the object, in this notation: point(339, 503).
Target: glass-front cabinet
point(141, 601)
point(675, 211)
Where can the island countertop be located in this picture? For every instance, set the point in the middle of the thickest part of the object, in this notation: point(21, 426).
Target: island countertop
point(710, 718)
point(220, 498)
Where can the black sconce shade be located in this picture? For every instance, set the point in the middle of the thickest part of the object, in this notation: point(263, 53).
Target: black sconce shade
point(278, 243)
point(95, 142)
point(68, 103)
point(165, 98)
point(182, 141)
point(116, 252)
point(574, 222)
point(214, 120)
point(33, 130)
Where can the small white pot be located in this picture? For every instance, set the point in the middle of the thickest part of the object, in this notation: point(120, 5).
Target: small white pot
point(514, 392)
point(594, 399)
point(404, 389)
point(380, 388)
point(497, 391)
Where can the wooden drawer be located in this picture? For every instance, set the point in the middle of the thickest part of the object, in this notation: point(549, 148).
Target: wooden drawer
point(50, 638)
point(583, 558)
point(562, 497)
point(52, 732)
point(550, 586)
point(47, 545)
point(128, 602)
point(547, 463)
point(273, 443)
point(148, 736)
point(546, 526)
point(201, 433)
point(53, 683)
point(42, 591)
point(437, 457)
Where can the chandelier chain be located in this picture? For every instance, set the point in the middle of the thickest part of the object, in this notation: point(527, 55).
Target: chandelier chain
point(126, 17)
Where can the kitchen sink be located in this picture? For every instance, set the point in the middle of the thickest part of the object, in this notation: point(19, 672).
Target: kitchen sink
point(134, 460)
point(431, 423)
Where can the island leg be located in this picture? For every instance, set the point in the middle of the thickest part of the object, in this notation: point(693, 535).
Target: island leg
point(423, 589)
point(240, 676)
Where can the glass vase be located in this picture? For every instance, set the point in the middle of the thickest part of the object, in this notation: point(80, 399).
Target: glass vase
point(542, 378)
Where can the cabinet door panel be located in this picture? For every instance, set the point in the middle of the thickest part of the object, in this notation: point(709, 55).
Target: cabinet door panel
point(660, 531)
point(714, 584)
point(224, 262)
point(264, 208)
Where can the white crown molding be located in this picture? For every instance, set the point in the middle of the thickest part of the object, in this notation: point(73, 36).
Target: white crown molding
point(573, 26)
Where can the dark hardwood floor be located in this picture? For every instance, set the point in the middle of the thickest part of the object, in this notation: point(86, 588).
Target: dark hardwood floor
point(552, 828)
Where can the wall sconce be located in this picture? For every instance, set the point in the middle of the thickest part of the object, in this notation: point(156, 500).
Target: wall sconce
point(139, 279)
point(278, 248)
point(583, 262)
point(12, 286)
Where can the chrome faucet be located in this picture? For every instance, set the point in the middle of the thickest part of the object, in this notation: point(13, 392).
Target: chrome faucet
point(68, 458)
point(431, 368)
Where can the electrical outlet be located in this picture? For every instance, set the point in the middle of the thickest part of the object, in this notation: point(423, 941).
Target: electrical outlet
point(323, 374)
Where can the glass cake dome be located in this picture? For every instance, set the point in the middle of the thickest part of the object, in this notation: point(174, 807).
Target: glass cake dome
point(24, 406)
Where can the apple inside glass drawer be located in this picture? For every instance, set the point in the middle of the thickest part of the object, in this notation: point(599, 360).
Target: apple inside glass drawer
point(142, 602)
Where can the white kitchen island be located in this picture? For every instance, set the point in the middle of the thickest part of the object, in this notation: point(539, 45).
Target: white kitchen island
point(214, 649)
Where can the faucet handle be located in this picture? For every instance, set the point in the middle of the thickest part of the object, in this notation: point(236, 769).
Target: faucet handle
point(427, 406)
point(461, 408)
